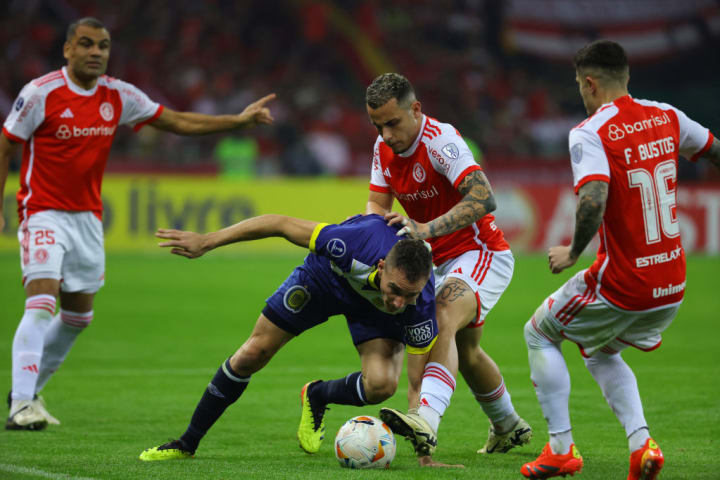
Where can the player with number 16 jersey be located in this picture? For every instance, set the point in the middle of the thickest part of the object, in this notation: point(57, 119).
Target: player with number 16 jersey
point(634, 146)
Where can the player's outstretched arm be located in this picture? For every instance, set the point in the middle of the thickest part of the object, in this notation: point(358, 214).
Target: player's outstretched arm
point(592, 198)
point(192, 245)
point(6, 152)
point(190, 123)
point(477, 201)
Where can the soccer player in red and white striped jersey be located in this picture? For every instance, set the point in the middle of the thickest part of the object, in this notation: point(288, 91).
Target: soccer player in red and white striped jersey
point(427, 166)
point(624, 159)
point(66, 122)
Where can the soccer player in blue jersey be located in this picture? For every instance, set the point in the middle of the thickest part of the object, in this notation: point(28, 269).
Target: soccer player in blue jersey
point(360, 268)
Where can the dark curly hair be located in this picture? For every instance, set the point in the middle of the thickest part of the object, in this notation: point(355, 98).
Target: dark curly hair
point(388, 86)
point(411, 256)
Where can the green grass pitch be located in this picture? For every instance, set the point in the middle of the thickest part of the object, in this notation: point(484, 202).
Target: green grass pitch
point(164, 324)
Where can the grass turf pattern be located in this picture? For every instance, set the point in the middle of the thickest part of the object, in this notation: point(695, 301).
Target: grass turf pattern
point(164, 324)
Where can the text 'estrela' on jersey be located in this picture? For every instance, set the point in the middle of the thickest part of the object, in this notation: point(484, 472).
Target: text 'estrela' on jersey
point(634, 146)
point(425, 178)
point(67, 132)
point(349, 252)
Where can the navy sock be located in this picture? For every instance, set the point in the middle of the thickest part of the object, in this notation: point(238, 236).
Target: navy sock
point(343, 391)
point(224, 389)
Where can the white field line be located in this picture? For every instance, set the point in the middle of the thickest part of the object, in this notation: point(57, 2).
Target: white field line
point(39, 473)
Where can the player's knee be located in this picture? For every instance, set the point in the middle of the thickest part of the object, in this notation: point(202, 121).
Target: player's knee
point(252, 356)
point(602, 358)
point(379, 388)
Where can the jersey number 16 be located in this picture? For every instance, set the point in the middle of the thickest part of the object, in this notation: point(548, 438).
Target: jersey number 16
point(657, 192)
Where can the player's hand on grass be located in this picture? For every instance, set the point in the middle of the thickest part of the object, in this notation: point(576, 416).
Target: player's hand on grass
point(257, 113)
point(560, 258)
point(411, 228)
point(427, 461)
point(183, 243)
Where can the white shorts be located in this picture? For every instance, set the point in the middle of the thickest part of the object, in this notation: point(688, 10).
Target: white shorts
point(65, 246)
point(575, 313)
point(487, 273)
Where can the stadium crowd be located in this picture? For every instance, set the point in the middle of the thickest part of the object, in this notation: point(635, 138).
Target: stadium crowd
point(216, 56)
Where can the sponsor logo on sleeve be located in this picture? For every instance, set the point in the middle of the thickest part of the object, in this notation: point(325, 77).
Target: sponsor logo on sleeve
point(107, 112)
point(420, 333)
point(26, 107)
point(418, 173)
point(295, 298)
point(336, 247)
point(19, 103)
point(576, 153)
point(451, 150)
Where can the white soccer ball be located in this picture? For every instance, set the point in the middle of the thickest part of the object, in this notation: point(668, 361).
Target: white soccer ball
point(365, 442)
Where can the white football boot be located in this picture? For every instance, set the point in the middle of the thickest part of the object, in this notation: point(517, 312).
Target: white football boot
point(24, 415)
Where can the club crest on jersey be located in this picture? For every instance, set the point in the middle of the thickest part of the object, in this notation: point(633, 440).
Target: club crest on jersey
point(296, 298)
point(451, 150)
point(107, 112)
point(41, 255)
point(19, 104)
point(576, 153)
point(418, 173)
point(336, 247)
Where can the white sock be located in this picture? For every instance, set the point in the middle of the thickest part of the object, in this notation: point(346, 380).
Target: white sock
point(619, 387)
point(550, 376)
point(436, 390)
point(560, 442)
point(59, 338)
point(637, 439)
point(27, 345)
point(431, 416)
point(498, 407)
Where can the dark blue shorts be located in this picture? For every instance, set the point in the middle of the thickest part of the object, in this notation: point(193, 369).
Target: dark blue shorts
point(304, 301)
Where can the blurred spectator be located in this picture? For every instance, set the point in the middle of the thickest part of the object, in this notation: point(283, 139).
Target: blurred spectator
point(463, 56)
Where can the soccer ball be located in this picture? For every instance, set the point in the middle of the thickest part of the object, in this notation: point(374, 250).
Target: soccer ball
point(365, 442)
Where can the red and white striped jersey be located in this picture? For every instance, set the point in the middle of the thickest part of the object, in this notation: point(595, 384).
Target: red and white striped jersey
point(67, 133)
point(425, 178)
point(634, 146)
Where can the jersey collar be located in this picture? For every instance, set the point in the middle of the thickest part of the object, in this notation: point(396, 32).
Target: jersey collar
point(372, 280)
point(415, 144)
point(76, 88)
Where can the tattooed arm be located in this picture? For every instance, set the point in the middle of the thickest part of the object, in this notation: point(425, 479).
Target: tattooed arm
point(713, 153)
point(477, 201)
point(588, 215)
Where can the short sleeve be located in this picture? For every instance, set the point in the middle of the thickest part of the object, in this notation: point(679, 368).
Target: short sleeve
point(420, 337)
point(451, 157)
point(137, 108)
point(26, 115)
point(337, 243)
point(377, 180)
point(694, 138)
point(588, 159)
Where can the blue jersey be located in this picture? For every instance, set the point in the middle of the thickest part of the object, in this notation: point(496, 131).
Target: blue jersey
point(342, 270)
